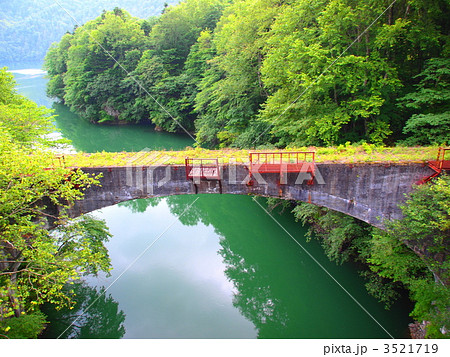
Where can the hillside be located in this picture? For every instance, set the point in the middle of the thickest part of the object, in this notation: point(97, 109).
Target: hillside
point(28, 27)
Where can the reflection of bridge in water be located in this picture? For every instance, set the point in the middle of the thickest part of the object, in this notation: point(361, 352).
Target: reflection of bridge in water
point(370, 192)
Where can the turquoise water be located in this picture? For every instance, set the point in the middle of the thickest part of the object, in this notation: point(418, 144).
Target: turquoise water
point(85, 136)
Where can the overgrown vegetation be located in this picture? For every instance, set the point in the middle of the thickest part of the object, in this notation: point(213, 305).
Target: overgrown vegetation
point(36, 264)
point(413, 253)
point(350, 154)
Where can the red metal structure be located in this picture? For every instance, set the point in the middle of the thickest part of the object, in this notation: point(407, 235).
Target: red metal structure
point(282, 162)
point(203, 169)
point(438, 165)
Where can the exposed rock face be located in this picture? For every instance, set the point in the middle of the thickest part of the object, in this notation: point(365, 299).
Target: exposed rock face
point(418, 330)
point(111, 111)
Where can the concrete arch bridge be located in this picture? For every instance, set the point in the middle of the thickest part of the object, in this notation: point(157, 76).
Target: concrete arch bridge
point(370, 192)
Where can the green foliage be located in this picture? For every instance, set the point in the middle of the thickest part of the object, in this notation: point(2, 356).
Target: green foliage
point(415, 251)
point(427, 216)
point(108, 47)
point(265, 73)
point(18, 112)
point(117, 68)
point(34, 195)
point(342, 237)
point(431, 122)
point(327, 100)
point(286, 75)
point(231, 91)
point(392, 259)
point(383, 289)
point(25, 326)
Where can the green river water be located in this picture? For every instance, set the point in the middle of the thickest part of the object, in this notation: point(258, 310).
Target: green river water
point(223, 269)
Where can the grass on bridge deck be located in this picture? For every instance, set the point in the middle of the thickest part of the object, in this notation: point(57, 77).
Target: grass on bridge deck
point(341, 154)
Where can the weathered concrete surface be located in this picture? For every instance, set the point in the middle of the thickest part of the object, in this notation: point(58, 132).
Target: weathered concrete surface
point(369, 192)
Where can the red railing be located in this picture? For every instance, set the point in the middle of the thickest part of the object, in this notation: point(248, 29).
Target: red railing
point(202, 168)
point(286, 161)
point(437, 166)
point(441, 162)
point(283, 162)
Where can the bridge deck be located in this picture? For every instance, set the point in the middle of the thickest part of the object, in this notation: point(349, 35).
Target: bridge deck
point(405, 155)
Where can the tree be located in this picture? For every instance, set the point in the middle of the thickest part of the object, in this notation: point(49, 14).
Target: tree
point(321, 90)
point(174, 40)
point(231, 91)
point(117, 68)
point(425, 227)
point(25, 121)
point(34, 194)
point(431, 122)
point(101, 54)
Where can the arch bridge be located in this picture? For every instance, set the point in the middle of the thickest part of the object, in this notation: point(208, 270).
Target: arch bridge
point(370, 192)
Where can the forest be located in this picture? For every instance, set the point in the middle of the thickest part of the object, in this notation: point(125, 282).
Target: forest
point(29, 27)
point(265, 73)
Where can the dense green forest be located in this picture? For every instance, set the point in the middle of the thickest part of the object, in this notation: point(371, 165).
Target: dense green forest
point(29, 27)
point(273, 73)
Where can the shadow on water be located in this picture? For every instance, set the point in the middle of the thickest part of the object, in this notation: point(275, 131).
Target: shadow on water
point(94, 315)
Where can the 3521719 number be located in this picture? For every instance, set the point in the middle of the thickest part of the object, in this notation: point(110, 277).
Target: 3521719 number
point(410, 348)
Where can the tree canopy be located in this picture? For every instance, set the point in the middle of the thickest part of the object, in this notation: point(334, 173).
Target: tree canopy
point(249, 73)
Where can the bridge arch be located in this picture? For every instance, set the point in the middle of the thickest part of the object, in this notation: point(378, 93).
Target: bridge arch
point(369, 192)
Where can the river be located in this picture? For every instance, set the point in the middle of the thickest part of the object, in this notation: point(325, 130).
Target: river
point(222, 269)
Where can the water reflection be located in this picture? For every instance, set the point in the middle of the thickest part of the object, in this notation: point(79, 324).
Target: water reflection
point(226, 270)
point(140, 206)
point(276, 285)
point(95, 315)
point(254, 298)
